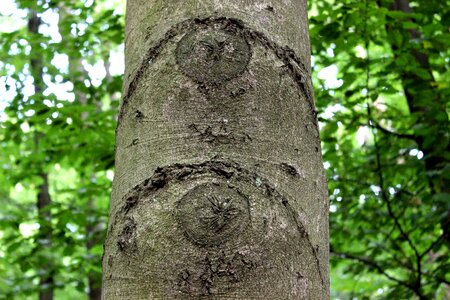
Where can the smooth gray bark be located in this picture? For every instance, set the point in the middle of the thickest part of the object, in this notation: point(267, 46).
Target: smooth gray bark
point(219, 190)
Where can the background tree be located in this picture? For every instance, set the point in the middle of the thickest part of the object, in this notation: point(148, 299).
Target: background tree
point(74, 114)
point(386, 144)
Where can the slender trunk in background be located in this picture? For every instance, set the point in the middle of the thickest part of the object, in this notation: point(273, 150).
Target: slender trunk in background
point(43, 198)
point(94, 227)
point(219, 189)
point(94, 234)
point(94, 230)
point(425, 101)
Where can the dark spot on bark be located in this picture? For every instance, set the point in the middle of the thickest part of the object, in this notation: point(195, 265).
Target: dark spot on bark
point(218, 133)
point(127, 238)
point(238, 92)
point(222, 171)
point(269, 8)
point(265, 225)
point(226, 268)
point(130, 201)
point(139, 115)
point(290, 169)
point(110, 261)
point(159, 181)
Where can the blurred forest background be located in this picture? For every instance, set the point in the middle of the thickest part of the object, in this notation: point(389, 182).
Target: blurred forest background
point(382, 86)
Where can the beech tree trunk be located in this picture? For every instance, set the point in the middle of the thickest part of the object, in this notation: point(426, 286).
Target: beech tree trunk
point(219, 190)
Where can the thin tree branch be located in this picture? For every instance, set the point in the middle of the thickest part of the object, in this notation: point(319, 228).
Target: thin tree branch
point(399, 135)
point(368, 262)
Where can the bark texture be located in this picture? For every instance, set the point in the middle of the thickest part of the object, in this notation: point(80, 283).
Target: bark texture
point(219, 190)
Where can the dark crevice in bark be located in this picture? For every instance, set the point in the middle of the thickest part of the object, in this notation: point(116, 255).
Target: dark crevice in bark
point(292, 63)
point(127, 238)
point(290, 169)
point(218, 166)
point(303, 233)
point(200, 281)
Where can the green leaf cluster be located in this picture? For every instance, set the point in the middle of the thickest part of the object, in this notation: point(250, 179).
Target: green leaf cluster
point(381, 78)
point(59, 102)
point(385, 136)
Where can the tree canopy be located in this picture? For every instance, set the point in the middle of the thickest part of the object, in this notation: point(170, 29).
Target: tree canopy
point(382, 89)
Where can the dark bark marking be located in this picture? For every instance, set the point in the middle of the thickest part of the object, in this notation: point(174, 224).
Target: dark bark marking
point(290, 169)
point(232, 268)
point(127, 237)
point(110, 261)
point(134, 142)
point(238, 92)
point(270, 8)
point(139, 115)
point(293, 65)
point(219, 133)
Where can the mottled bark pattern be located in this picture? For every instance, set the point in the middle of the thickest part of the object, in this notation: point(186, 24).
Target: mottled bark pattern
point(219, 190)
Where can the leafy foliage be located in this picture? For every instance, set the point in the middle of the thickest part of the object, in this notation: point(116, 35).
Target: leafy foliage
point(66, 131)
point(381, 76)
point(385, 133)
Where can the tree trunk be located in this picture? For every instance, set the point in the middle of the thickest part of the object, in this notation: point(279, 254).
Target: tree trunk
point(219, 190)
point(43, 197)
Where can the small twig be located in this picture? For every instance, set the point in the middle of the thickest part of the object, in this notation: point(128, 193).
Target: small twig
point(373, 264)
point(399, 135)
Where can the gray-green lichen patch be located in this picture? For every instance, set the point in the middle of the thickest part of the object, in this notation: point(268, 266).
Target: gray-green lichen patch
point(212, 213)
point(212, 55)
